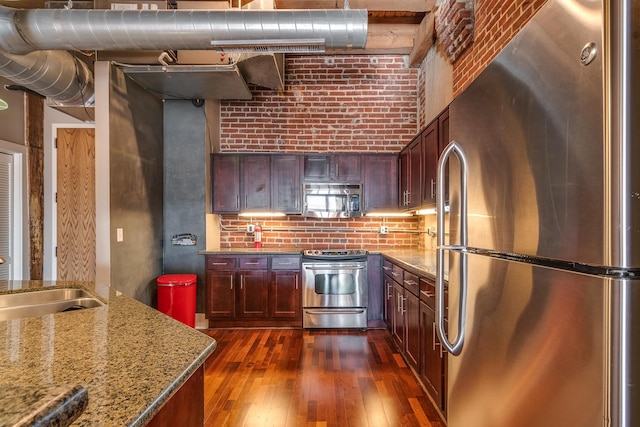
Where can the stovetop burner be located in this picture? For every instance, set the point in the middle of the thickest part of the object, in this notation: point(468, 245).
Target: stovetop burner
point(334, 253)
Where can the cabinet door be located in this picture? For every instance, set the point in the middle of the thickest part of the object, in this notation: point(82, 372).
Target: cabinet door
point(286, 183)
point(253, 293)
point(285, 294)
point(347, 168)
point(397, 327)
point(389, 302)
point(432, 361)
point(430, 163)
point(317, 167)
point(443, 141)
point(380, 182)
point(415, 174)
point(221, 301)
point(256, 182)
point(412, 329)
point(225, 183)
point(403, 179)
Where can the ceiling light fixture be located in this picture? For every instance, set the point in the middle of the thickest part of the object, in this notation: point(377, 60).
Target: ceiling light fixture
point(3, 104)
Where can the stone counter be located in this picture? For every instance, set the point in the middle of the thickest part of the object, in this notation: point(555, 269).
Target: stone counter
point(129, 357)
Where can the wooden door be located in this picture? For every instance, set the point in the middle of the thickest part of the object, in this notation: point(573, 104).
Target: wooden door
point(412, 328)
point(76, 204)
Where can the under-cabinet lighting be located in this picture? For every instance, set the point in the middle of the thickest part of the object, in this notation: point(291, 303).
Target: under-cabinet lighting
point(260, 214)
point(431, 211)
point(389, 214)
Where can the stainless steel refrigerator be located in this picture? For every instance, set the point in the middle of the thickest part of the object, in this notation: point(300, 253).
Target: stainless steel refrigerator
point(541, 247)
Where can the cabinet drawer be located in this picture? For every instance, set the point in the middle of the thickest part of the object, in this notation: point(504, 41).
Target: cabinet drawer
point(397, 273)
point(221, 263)
point(428, 293)
point(411, 283)
point(387, 267)
point(285, 263)
point(253, 263)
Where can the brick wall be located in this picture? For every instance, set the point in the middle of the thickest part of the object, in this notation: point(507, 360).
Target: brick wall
point(496, 22)
point(298, 232)
point(337, 103)
point(329, 103)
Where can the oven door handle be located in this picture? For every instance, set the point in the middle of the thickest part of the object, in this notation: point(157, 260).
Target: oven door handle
point(334, 267)
point(334, 311)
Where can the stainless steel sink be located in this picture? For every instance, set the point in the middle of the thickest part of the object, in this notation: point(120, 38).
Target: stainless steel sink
point(47, 301)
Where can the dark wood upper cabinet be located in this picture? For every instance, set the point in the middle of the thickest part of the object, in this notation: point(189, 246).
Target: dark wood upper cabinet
point(430, 163)
point(380, 182)
point(333, 168)
point(411, 174)
point(286, 183)
point(256, 182)
point(225, 183)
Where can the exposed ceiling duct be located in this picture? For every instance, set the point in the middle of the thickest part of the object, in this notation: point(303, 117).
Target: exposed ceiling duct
point(57, 75)
point(24, 31)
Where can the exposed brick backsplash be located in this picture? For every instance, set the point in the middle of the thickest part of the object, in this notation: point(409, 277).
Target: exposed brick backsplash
point(496, 23)
point(329, 103)
point(308, 233)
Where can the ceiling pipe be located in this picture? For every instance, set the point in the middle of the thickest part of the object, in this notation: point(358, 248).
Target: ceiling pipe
point(64, 79)
point(57, 75)
point(23, 30)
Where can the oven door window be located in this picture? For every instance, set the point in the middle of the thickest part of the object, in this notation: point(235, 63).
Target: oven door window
point(335, 284)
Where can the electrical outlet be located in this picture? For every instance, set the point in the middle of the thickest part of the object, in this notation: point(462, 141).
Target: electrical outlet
point(250, 228)
point(384, 229)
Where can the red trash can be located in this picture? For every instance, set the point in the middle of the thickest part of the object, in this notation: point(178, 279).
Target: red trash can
point(177, 297)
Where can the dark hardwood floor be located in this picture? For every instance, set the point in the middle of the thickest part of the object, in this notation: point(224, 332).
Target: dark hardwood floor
point(294, 377)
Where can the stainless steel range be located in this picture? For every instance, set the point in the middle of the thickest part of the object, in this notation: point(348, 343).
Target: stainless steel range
point(335, 293)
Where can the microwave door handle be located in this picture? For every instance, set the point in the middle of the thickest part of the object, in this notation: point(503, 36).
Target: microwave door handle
point(455, 348)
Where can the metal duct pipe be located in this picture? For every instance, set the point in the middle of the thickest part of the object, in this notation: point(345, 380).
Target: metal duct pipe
point(22, 30)
point(55, 74)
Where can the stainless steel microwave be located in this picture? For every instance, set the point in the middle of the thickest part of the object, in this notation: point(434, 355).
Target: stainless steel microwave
point(332, 200)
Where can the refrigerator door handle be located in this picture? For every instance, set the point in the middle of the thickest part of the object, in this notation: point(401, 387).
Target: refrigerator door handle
point(452, 347)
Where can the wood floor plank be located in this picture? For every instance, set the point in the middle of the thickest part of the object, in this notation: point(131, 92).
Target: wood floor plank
point(293, 377)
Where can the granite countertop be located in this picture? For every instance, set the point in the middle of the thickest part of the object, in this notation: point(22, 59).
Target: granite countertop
point(129, 357)
point(420, 261)
point(265, 250)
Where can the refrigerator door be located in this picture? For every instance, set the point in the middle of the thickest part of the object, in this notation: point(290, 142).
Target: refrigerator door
point(534, 349)
point(531, 129)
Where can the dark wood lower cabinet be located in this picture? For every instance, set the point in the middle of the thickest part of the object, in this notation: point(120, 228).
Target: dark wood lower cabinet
point(411, 320)
point(253, 291)
point(412, 329)
point(285, 297)
point(432, 363)
point(253, 295)
point(186, 406)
